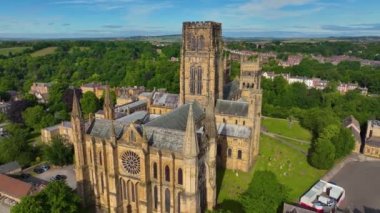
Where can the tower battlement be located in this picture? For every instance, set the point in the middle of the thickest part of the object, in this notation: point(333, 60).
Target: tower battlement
point(201, 24)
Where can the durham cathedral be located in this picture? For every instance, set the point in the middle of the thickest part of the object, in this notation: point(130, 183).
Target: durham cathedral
point(168, 163)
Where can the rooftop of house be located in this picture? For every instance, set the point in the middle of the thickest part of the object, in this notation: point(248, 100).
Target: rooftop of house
point(14, 187)
point(351, 120)
point(165, 99)
point(373, 141)
point(8, 167)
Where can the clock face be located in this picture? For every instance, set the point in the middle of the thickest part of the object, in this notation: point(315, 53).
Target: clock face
point(131, 162)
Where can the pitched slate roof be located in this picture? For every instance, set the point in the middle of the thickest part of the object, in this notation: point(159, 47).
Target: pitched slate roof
point(102, 128)
point(8, 167)
point(168, 131)
point(230, 90)
point(234, 130)
point(13, 187)
point(165, 99)
point(351, 120)
point(238, 108)
point(176, 119)
point(373, 141)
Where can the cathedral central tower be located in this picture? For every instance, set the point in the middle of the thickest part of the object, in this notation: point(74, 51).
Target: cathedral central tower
point(201, 72)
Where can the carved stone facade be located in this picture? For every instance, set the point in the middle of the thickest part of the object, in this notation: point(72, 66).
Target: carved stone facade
point(168, 163)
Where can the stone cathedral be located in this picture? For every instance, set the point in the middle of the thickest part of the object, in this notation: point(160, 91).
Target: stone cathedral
point(168, 163)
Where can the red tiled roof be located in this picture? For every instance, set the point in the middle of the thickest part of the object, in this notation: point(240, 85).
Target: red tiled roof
point(13, 187)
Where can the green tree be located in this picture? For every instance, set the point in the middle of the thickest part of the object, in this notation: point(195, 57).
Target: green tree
point(16, 146)
point(89, 103)
point(264, 194)
point(56, 197)
point(59, 152)
point(37, 118)
point(343, 143)
point(322, 152)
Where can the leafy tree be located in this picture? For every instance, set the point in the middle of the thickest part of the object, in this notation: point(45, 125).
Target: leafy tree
point(89, 103)
point(37, 118)
point(59, 152)
point(56, 197)
point(264, 194)
point(322, 152)
point(16, 146)
point(343, 143)
point(17, 107)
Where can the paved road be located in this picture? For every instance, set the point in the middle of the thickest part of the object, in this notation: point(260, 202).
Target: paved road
point(361, 180)
point(4, 208)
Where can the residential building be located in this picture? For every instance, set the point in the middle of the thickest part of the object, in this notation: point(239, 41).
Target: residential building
point(372, 139)
point(354, 125)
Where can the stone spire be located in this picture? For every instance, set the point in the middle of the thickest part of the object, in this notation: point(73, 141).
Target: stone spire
point(107, 106)
point(191, 149)
point(210, 119)
point(76, 111)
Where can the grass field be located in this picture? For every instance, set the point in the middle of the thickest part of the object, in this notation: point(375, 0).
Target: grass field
point(43, 52)
point(282, 127)
point(13, 50)
point(289, 165)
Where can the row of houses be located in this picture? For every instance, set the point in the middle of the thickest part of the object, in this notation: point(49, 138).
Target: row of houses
point(316, 83)
point(131, 104)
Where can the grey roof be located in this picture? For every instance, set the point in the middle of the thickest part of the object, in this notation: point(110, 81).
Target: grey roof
point(132, 105)
point(167, 131)
point(238, 108)
point(234, 130)
point(289, 208)
point(136, 116)
point(116, 114)
point(8, 167)
point(101, 128)
point(351, 120)
point(165, 99)
point(66, 124)
point(176, 119)
point(230, 90)
point(373, 141)
point(52, 128)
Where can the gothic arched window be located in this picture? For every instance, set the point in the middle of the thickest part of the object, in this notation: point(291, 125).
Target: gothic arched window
point(167, 200)
point(180, 178)
point(239, 154)
point(199, 80)
point(167, 174)
point(201, 42)
point(192, 80)
point(155, 197)
point(193, 43)
point(155, 170)
point(229, 153)
point(133, 192)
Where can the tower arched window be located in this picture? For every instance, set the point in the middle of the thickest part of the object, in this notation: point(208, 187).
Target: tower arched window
point(199, 80)
point(167, 174)
point(193, 43)
point(239, 154)
point(155, 170)
point(192, 80)
point(180, 176)
point(155, 197)
point(167, 200)
point(201, 42)
point(133, 192)
point(229, 152)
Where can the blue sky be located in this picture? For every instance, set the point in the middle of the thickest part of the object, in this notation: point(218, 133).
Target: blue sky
point(253, 18)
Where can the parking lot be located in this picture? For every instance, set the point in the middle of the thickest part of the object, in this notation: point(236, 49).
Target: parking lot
point(362, 184)
point(68, 171)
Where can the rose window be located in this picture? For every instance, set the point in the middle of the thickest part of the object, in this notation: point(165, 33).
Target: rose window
point(131, 162)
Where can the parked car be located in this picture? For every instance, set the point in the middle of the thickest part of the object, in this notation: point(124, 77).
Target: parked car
point(59, 177)
point(24, 175)
point(41, 169)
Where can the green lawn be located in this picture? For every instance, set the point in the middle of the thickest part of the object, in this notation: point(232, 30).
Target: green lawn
point(282, 127)
point(289, 165)
point(13, 50)
point(44, 51)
